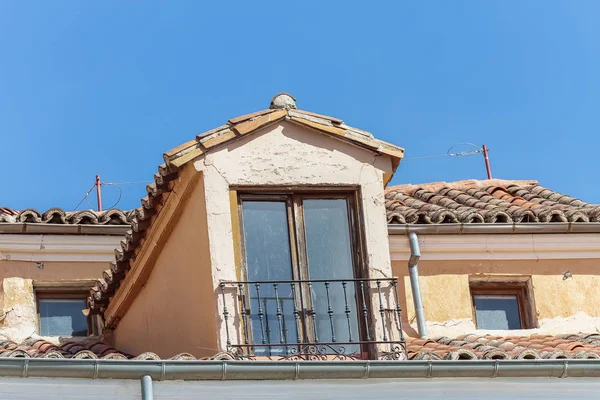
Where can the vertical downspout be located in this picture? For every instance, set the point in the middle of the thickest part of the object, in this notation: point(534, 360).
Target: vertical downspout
point(147, 392)
point(413, 269)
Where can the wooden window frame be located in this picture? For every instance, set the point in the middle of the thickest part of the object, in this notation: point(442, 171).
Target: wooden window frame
point(296, 231)
point(67, 291)
point(520, 289)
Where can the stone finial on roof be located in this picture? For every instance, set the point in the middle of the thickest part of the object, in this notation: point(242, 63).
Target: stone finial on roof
point(283, 101)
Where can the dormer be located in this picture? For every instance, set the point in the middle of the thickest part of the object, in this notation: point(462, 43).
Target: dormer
point(264, 237)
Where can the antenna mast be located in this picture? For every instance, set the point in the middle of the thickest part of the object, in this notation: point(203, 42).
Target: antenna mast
point(98, 194)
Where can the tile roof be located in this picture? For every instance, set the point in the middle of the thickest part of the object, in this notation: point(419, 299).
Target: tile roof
point(283, 107)
point(467, 347)
point(474, 346)
point(485, 201)
point(90, 348)
point(59, 216)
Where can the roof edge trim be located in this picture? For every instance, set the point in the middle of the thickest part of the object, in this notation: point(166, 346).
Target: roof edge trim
point(461, 228)
point(87, 229)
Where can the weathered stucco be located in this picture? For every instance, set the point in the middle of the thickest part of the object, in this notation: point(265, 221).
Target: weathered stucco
point(18, 306)
point(18, 315)
point(288, 155)
point(181, 298)
point(562, 306)
point(175, 311)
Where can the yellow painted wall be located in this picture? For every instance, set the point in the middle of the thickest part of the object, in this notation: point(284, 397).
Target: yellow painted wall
point(175, 311)
point(446, 296)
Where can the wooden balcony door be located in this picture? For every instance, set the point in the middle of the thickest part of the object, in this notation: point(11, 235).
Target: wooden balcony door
point(307, 243)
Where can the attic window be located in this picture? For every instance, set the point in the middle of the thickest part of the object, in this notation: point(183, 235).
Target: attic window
point(497, 311)
point(62, 317)
point(502, 305)
point(60, 308)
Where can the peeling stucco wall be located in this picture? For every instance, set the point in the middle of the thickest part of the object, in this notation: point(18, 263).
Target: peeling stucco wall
point(18, 306)
point(562, 306)
point(18, 311)
point(287, 155)
point(182, 298)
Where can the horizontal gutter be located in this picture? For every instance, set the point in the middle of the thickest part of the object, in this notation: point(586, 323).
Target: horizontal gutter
point(67, 229)
point(292, 370)
point(456, 229)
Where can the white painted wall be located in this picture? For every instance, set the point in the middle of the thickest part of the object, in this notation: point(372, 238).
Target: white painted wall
point(66, 248)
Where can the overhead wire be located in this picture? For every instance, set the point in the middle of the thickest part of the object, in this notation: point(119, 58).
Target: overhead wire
point(477, 150)
point(120, 193)
point(84, 197)
point(128, 183)
point(115, 184)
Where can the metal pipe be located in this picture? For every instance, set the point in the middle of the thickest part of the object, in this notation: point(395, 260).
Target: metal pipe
point(147, 392)
point(413, 269)
point(98, 194)
point(487, 162)
point(290, 370)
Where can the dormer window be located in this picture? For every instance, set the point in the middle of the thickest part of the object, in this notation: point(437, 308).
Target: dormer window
point(301, 257)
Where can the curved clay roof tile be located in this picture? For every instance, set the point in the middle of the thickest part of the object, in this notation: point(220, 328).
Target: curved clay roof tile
point(55, 216)
point(30, 215)
point(113, 217)
point(85, 217)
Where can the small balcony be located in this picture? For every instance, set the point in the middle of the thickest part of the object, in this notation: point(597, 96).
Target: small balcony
point(318, 319)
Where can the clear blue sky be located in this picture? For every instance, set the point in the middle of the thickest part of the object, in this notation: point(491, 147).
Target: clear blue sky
point(107, 86)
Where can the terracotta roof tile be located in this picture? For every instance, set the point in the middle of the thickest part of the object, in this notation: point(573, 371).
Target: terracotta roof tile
point(489, 201)
point(59, 216)
point(497, 347)
point(90, 348)
point(282, 107)
point(484, 348)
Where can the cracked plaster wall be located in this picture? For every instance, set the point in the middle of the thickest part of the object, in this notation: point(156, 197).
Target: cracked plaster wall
point(18, 307)
point(562, 306)
point(288, 155)
point(18, 318)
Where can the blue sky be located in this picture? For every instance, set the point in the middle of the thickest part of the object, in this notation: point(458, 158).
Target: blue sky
point(106, 87)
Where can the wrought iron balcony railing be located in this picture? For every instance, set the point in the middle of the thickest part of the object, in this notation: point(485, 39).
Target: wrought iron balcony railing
point(313, 319)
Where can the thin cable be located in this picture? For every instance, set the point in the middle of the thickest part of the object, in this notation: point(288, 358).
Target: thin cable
point(128, 183)
point(120, 193)
point(85, 197)
point(424, 157)
point(449, 154)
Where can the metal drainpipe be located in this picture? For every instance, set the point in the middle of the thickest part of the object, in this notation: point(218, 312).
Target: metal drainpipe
point(147, 392)
point(413, 269)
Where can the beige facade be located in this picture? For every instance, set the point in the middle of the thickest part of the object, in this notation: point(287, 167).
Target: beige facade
point(30, 263)
point(175, 286)
point(562, 268)
point(181, 294)
point(175, 312)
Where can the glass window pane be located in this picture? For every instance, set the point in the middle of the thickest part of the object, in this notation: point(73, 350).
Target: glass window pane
point(330, 257)
point(497, 312)
point(62, 317)
point(268, 258)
